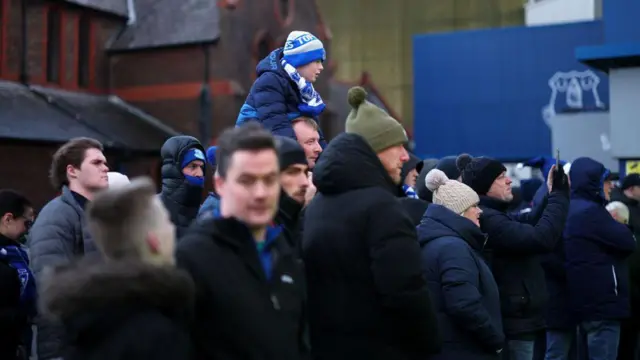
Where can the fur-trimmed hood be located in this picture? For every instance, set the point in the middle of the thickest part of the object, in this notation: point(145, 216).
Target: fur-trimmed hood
point(85, 289)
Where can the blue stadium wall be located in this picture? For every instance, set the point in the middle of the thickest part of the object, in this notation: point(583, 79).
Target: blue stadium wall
point(484, 92)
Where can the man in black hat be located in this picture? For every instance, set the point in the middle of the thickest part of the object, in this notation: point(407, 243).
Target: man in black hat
point(515, 243)
point(294, 178)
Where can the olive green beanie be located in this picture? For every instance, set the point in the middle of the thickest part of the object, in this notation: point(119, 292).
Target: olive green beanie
point(379, 129)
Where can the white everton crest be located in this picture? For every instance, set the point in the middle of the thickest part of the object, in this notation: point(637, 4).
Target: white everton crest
point(568, 90)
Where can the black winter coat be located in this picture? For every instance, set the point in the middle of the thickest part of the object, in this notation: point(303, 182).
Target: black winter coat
point(121, 311)
point(288, 217)
point(181, 199)
point(240, 313)
point(368, 298)
point(462, 287)
point(515, 242)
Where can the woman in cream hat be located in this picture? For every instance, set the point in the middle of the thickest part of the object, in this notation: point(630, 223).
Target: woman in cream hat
point(463, 290)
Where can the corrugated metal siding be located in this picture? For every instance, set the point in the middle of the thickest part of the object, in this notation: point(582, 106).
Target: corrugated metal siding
point(483, 92)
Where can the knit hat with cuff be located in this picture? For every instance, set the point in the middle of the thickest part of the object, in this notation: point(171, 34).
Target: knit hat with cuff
point(302, 48)
point(480, 172)
point(451, 194)
point(191, 155)
point(289, 152)
point(379, 129)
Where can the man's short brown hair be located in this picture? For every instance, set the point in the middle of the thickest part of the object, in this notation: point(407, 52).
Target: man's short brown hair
point(71, 153)
point(120, 218)
point(249, 136)
point(307, 120)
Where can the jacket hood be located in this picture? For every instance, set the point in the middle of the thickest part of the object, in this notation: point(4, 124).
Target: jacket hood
point(174, 185)
point(409, 165)
point(587, 178)
point(349, 163)
point(271, 63)
point(438, 221)
point(90, 297)
point(172, 152)
point(421, 186)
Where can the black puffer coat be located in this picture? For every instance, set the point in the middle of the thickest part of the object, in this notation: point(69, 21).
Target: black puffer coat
point(368, 298)
point(181, 199)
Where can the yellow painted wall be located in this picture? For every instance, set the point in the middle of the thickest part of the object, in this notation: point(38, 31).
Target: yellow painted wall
point(376, 36)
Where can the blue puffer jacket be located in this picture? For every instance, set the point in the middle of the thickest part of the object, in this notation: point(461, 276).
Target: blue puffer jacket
point(461, 286)
point(596, 246)
point(273, 99)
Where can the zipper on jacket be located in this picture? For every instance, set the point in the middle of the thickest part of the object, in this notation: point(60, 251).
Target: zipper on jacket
point(486, 239)
point(615, 280)
point(275, 302)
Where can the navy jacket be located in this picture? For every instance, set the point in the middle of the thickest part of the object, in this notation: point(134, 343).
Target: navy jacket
point(210, 204)
point(515, 243)
point(273, 99)
point(462, 288)
point(596, 246)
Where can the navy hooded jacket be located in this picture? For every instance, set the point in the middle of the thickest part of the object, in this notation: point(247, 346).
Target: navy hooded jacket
point(596, 246)
point(462, 288)
point(273, 99)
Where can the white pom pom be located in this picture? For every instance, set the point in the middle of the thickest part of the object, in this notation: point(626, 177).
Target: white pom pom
point(435, 178)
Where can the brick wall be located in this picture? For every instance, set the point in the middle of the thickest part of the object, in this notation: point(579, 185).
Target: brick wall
point(157, 67)
point(103, 28)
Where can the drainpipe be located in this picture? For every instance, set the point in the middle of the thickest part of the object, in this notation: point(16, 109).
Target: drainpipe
point(206, 105)
point(24, 72)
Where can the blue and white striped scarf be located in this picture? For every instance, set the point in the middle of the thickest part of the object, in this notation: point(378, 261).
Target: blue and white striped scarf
point(312, 102)
point(409, 191)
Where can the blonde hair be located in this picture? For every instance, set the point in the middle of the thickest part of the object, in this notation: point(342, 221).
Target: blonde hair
point(307, 120)
point(119, 219)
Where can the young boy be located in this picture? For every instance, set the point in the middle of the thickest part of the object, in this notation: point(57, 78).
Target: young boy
point(283, 90)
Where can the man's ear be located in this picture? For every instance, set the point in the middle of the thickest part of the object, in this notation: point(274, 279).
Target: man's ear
point(153, 243)
point(6, 218)
point(218, 182)
point(72, 171)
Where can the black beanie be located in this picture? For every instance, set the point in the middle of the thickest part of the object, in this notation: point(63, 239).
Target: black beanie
point(448, 166)
point(289, 152)
point(479, 173)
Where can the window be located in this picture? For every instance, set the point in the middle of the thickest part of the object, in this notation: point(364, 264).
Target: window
point(84, 51)
point(53, 45)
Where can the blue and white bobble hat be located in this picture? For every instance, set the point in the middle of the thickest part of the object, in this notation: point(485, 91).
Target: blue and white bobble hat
point(302, 48)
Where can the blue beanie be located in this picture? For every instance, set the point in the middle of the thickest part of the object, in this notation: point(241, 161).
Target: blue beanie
point(303, 48)
point(211, 155)
point(192, 155)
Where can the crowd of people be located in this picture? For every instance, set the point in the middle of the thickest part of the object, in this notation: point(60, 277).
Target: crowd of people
point(352, 249)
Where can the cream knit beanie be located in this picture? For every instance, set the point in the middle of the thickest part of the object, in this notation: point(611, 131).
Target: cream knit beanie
point(117, 180)
point(451, 194)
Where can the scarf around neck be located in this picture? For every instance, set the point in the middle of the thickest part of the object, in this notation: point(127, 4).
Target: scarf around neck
point(312, 103)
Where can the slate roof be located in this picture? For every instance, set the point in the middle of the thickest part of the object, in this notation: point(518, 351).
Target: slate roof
point(116, 7)
point(25, 116)
point(123, 128)
point(42, 114)
point(161, 23)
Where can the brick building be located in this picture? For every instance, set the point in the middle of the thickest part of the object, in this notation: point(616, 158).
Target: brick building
point(193, 68)
point(130, 73)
